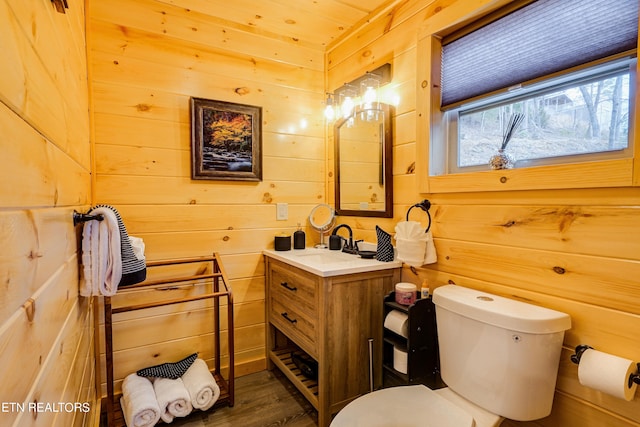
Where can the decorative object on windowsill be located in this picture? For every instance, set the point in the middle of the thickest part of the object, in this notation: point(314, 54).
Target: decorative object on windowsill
point(502, 160)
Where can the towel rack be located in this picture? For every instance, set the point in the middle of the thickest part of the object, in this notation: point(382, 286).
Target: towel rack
point(217, 277)
point(79, 217)
point(424, 205)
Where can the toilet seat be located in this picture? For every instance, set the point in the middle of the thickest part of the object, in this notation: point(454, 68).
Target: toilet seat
point(481, 416)
point(403, 406)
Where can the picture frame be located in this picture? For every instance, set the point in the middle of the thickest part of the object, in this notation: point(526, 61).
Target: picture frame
point(226, 140)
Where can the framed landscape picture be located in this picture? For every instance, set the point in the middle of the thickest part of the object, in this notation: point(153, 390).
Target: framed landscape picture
point(226, 140)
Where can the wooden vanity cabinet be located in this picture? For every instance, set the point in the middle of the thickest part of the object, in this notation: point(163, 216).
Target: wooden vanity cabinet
point(331, 320)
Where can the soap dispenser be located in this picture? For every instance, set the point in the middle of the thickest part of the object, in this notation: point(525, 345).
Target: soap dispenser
point(299, 239)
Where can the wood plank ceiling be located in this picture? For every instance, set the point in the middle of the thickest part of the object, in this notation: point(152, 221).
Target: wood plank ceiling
point(312, 23)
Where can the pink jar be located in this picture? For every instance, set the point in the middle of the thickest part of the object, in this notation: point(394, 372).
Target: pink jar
point(405, 293)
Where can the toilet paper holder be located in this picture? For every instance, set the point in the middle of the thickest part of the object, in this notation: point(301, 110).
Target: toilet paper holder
point(575, 358)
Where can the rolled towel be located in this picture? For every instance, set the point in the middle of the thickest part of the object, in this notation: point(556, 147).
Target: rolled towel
point(173, 398)
point(139, 405)
point(201, 385)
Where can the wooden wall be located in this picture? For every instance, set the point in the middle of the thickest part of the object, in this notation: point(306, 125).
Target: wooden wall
point(577, 251)
point(46, 329)
point(146, 59)
point(572, 250)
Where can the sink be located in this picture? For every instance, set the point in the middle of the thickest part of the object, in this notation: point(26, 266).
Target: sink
point(323, 256)
point(326, 263)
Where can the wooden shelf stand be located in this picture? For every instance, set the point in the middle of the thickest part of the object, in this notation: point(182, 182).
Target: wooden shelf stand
point(220, 288)
point(421, 345)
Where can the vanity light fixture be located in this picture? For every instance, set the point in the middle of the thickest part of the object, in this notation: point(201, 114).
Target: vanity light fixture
point(362, 92)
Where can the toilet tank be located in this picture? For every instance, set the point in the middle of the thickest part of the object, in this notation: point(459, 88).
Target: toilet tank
point(499, 353)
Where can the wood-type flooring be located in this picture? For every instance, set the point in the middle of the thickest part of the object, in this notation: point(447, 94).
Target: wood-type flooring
point(263, 399)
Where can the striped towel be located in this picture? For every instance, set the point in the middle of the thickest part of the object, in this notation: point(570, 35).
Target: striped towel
point(108, 257)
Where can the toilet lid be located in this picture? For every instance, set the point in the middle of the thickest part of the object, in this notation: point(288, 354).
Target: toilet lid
point(404, 406)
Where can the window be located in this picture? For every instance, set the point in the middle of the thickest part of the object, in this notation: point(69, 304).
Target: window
point(576, 118)
point(566, 65)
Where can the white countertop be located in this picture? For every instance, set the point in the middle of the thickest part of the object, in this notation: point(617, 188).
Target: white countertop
point(327, 263)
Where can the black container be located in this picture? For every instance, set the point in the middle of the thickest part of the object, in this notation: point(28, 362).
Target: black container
point(335, 242)
point(282, 243)
point(299, 240)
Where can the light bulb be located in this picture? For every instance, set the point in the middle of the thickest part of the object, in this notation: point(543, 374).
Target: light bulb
point(370, 95)
point(347, 106)
point(329, 112)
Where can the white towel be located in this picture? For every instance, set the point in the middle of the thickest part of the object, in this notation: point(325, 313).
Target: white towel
point(201, 385)
point(101, 255)
point(414, 246)
point(138, 246)
point(139, 405)
point(430, 257)
point(173, 398)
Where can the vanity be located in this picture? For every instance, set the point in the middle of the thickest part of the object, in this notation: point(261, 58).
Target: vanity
point(324, 306)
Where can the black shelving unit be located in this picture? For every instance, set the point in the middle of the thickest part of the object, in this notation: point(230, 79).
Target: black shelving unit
point(421, 345)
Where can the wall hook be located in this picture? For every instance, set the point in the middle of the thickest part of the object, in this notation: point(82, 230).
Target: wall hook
point(84, 217)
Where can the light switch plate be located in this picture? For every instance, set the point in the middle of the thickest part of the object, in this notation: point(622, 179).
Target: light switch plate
point(282, 211)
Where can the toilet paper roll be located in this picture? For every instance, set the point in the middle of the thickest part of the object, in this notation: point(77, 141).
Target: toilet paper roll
point(397, 322)
point(399, 360)
point(607, 373)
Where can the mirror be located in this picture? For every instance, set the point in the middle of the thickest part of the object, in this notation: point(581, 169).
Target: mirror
point(322, 218)
point(363, 147)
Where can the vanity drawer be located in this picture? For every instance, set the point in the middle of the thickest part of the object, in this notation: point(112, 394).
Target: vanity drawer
point(293, 306)
point(290, 286)
point(296, 324)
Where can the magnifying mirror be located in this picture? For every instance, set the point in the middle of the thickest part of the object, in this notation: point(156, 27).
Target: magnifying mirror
point(322, 218)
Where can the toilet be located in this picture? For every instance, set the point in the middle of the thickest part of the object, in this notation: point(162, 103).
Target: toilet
point(498, 357)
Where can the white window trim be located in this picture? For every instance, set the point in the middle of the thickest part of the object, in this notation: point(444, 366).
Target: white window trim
point(430, 124)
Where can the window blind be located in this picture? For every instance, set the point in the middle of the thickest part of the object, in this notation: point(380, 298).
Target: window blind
point(541, 38)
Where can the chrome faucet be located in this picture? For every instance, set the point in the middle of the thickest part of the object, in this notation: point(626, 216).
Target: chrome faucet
point(349, 246)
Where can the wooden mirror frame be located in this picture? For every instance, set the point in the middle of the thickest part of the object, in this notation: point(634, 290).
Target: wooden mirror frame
point(387, 162)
